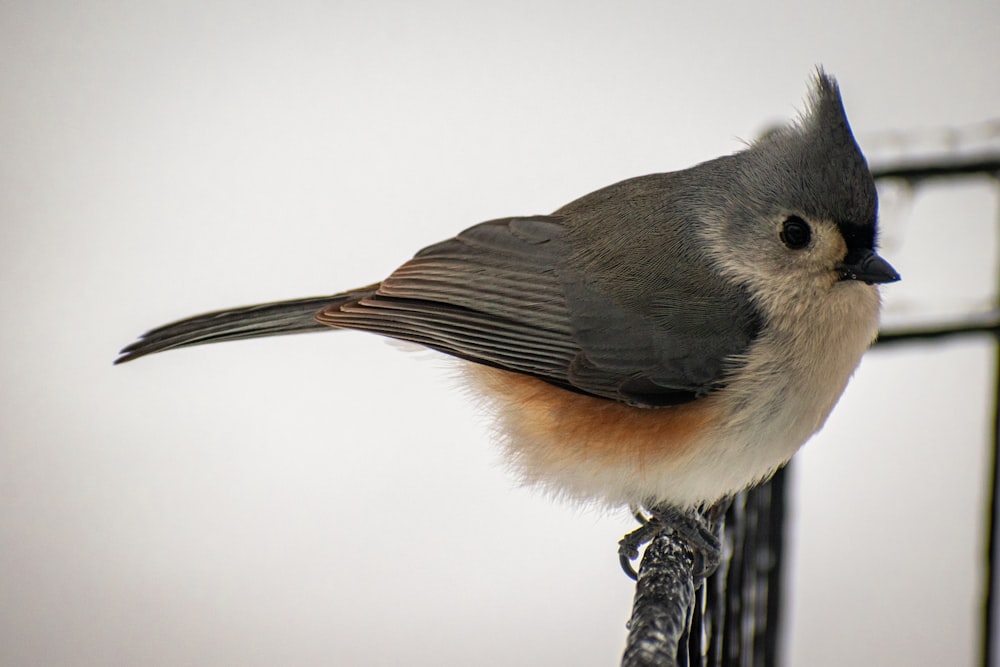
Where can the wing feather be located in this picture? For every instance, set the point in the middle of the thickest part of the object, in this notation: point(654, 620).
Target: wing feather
point(506, 293)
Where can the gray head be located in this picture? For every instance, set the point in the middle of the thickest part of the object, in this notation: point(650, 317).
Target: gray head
point(802, 209)
point(816, 167)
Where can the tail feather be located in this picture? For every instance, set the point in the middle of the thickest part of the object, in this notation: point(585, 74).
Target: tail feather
point(266, 319)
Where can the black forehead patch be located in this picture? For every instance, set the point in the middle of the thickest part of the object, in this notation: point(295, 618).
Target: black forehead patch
point(858, 236)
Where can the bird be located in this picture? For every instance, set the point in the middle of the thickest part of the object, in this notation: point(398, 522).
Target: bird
point(665, 341)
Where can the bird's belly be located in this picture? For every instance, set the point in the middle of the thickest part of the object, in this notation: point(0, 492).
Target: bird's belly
point(586, 448)
point(589, 448)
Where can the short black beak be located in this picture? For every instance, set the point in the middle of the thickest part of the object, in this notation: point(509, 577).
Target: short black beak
point(863, 264)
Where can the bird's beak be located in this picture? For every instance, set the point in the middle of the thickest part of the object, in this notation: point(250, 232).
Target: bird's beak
point(865, 265)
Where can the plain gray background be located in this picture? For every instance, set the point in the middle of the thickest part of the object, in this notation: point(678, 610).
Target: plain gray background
point(329, 499)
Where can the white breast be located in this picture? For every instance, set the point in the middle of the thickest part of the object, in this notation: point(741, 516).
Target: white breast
point(797, 371)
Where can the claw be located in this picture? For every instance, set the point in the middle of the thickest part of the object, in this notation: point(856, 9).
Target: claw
point(628, 546)
point(626, 563)
point(699, 529)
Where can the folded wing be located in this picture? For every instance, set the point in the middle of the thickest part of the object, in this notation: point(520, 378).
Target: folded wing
point(505, 293)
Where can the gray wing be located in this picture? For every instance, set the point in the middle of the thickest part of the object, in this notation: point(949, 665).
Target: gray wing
point(506, 293)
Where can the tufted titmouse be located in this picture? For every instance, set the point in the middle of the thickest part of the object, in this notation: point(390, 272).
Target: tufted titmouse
point(667, 340)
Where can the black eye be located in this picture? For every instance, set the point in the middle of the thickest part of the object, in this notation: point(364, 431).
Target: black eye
point(795, 232)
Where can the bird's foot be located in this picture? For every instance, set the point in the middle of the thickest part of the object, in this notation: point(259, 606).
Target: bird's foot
point(699, 529)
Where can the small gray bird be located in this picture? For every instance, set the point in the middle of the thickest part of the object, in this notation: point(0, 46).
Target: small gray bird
point(665, 341)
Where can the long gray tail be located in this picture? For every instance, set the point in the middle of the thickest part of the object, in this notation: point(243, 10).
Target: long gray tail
point(266, 319)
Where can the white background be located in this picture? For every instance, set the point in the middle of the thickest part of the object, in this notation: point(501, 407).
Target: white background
point(327, 499)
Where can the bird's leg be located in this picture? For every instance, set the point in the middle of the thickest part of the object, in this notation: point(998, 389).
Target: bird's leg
point(699, 528)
